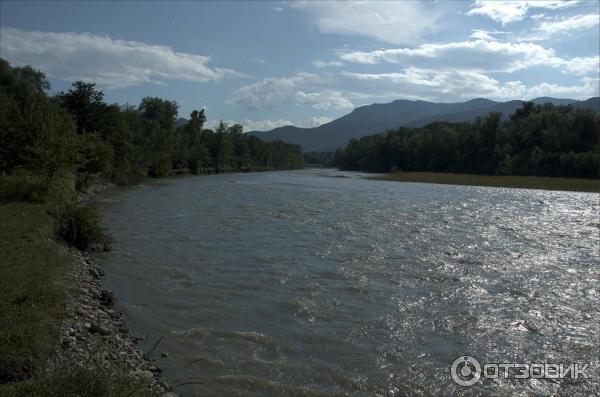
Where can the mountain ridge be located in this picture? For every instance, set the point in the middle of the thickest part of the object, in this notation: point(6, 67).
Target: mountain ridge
point(379, 117)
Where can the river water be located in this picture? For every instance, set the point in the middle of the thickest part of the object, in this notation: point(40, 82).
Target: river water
point(321, 283)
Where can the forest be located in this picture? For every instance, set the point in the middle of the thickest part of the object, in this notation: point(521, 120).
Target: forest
point(537, 140)
point(75, 135)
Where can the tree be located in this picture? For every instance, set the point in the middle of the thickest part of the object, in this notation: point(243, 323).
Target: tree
point(33, 76)
point(53, 149)
point(536, 140)
point(160, 110)
point(77, 135)
point(12, 140)
point(222, 148)
point(186, 151)
point(85, 104)
point(159, 128)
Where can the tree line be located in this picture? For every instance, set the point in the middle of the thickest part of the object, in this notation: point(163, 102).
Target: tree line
point(539, 140)
point(76, 133)
point(321, 159)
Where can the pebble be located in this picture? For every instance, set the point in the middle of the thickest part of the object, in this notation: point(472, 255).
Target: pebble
point(94, 272)
point(99, 329)
point(144, 374)
point(93, 335)
point(165, 386)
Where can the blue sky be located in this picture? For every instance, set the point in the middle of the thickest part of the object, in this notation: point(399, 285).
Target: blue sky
point(265, 64)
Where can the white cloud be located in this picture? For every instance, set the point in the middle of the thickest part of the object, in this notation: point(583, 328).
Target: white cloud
point(108, 62)
point(550, 28)
point(588, 87)
point(583, 65)
point(326, 64)
point(475, 55)
point(455, 84)
point(317, 121)
point(507, 12)
point(213, 124)
point(417, 82)
point(274, 92)
point(480, 34)
point(323, 100)
point(398, 22)
point(264, 125)
point(265, 94)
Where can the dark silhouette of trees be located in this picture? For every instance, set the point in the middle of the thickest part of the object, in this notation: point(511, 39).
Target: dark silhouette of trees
point(76, 134)
point(542, 140)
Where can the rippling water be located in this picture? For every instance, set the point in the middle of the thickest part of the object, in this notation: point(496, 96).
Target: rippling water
point(318, 283)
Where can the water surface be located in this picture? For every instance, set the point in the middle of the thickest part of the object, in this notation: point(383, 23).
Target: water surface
point(322, 283)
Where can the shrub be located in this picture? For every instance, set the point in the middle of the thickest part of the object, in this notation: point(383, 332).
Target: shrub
point(78, 225)
point(22, 187)
point(62, 189)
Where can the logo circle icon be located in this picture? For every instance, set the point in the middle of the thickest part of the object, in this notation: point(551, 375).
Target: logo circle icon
point(465, 371)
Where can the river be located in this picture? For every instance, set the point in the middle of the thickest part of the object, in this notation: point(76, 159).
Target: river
point(323, 283)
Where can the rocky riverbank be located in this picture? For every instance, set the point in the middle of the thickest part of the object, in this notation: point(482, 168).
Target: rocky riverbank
point(94, 190)
point(95, 336)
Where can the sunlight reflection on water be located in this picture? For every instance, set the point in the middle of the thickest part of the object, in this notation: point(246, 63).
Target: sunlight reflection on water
point(300, 283)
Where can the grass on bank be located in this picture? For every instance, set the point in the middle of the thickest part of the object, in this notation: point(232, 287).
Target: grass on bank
point(524, 182)
point(33, 286)
point(80, 383)
point(32, 289)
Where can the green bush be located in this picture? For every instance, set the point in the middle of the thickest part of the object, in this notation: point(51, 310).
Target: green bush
point(22, 187)
point(62, 189)
point(78, 225)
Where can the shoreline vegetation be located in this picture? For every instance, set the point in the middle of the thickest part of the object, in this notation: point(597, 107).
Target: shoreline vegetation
point(535, 141)
point(520, 182)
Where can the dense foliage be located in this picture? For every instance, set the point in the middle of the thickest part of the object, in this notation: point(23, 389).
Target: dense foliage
point(78, 224)
point(75, 133)
point(542, 140)
point(322, 159)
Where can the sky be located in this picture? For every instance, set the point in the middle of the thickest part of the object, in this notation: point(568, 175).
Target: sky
point(265, 64)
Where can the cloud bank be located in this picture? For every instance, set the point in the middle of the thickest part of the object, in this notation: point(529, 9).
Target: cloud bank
point(397, 22)
point(108, 62)
point(302, 88)
point(506, 12)
point(551, 28)
point(477, 55)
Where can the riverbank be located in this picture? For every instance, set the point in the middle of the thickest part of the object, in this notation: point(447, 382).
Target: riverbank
point(59, 334)
point(523, 182)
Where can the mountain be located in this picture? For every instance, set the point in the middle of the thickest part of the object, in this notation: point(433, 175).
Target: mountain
point(181, 122)
point(379, 117)
point(591, 103)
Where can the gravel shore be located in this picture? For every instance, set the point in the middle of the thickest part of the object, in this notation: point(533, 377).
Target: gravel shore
point(94, 335)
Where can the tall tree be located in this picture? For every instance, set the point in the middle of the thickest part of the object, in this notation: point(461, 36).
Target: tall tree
point(86, 104)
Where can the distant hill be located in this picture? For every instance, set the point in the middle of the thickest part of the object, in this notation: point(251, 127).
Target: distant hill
point(376, 118)
point(181, 122)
